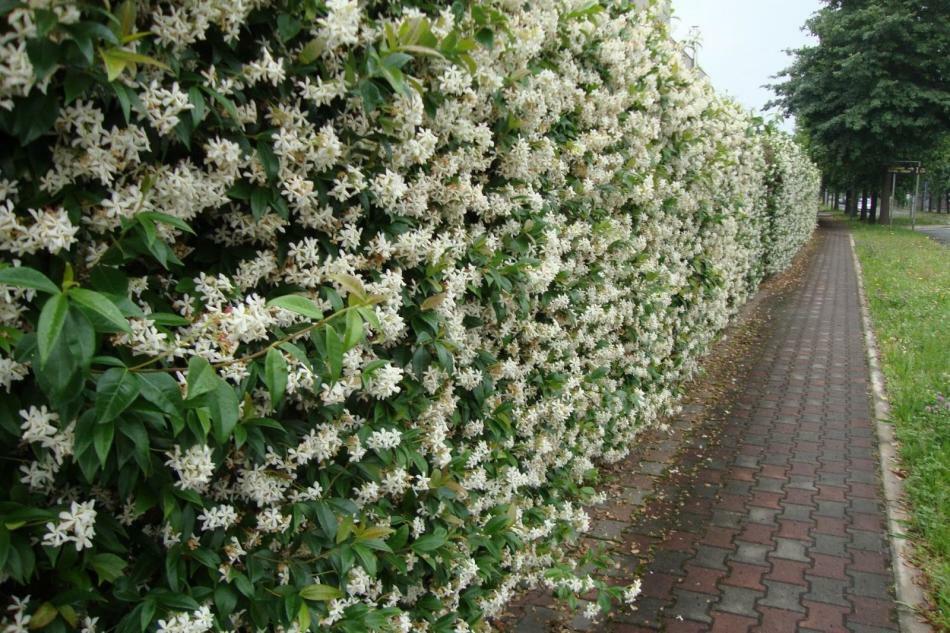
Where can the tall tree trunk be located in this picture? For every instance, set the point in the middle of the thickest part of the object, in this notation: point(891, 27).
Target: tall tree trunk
point(886, 193)
point(864, 205)
point(848, 196)
point(872, 216)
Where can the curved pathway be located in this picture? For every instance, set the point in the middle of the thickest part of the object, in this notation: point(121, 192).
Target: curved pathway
point(764, 510)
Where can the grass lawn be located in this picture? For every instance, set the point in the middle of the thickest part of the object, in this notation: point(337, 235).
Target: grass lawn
point(907, 277)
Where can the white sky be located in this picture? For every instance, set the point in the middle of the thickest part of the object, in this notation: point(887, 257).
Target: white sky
point(743, 42)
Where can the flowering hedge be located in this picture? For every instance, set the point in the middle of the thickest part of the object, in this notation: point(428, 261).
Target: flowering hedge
point(321, 315)
point(794, 183)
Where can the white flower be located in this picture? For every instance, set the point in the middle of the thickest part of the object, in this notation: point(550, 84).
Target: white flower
point(222, 516)
point(163, 105)
point(37, 424)
point(77, 525)
point(384, 382)
point(631, 593)
point(384, 439)
point(194, 467)
point(389, 188)
point(188, 622)
point(341, 25)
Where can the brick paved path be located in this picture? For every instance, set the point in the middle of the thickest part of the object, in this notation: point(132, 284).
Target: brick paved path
point(768, 517)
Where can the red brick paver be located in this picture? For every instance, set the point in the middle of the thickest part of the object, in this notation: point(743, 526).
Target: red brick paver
point(770, 515)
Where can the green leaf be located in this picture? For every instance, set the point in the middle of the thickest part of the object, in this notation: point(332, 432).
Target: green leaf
point(225, 411)
point(23, 277)
point(201, 377)
point(76, 84)
point(354, 330)
point(486, 37)
point(311, 51)
point(352, 285)
point(43, 616)
point(116, 390)
point(334, 353)
point(4, 544)
point(303, 617)
point(430, 542)
point(275, 375)
point(320, 593)
point(298, 305)
point(50, 325)
point(101, 305)
point(117, 59)
point(102, 435)
point(260, 202)
point(164, 218)
point(35, 116)
point(108, 566)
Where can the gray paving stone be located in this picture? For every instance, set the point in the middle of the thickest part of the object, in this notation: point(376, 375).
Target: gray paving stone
point(711, 557)
point(871, 541)
point(536, 620)
point(690, 605)
point(790, 549)
point(727, 519)
point(829, 590)
point(739, 600)
point(796, 512)
point(766, 516)
point(831, 545)
point(783, 595)
point(751, 553)
point(871, 585)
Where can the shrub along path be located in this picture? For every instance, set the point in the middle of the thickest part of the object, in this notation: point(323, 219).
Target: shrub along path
point(768, 514)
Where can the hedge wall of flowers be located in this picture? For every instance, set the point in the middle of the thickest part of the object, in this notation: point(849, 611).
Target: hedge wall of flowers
point(794, 183)
point(320, 315)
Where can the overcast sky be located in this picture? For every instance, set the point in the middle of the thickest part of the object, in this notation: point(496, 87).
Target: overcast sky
point(743, 42)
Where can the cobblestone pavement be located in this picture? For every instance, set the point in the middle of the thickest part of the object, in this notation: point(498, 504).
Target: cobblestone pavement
point(762, 511)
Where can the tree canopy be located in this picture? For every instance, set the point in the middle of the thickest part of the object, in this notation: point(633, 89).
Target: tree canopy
point(874, 89)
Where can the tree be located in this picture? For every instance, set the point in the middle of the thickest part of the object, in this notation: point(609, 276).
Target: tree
point(874, 89)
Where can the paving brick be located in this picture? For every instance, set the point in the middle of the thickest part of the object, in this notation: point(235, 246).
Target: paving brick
point(829, 590)
point(675, 625)
point(790, 549)
point(738, 600)
point(796, 512)
point(871, 585)
point(871, 611)
point(711, 557)
point(872, 541)
point(731, 623)
point(758, 533)
point(658, 585)
point(788, 571)
point(794, 530)
point(778, 621)
point(745, 575)
point(831, 545)
point(720, 537)
point(691, 605)
point(645, 612)
point(872, 562)
point(701, 579)
point(824, 617)
point(752, 553)
point(783, 595)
